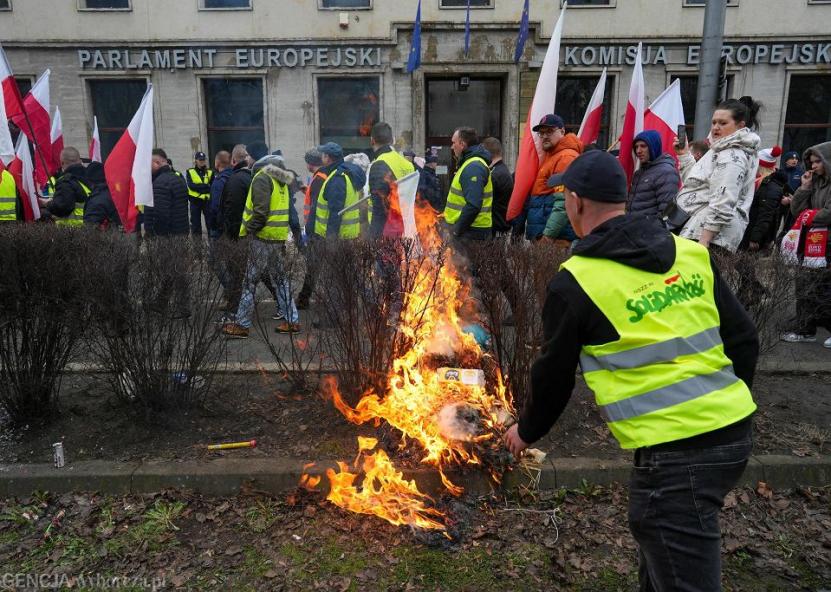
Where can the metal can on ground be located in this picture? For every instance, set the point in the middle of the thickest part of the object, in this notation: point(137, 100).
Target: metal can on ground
point(57, 454)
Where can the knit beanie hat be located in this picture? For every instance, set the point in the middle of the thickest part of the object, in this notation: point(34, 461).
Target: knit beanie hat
point(769, 156)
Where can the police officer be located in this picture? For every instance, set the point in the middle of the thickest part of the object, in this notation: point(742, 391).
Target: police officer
point(387, 167)
point(10, 210)
point(71, 191)
point(670, 355)
point(199, 179)
point(470, 200)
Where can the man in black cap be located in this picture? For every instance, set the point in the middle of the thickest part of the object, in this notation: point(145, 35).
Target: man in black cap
point(670, 355)
point(199, 191)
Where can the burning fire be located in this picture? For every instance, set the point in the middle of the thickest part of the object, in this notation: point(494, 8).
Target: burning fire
point(450, 421)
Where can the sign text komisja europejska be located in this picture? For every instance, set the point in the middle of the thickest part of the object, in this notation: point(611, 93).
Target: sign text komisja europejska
point(248, 57)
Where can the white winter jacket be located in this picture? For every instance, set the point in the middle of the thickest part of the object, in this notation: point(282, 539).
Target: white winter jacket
point(718, 190)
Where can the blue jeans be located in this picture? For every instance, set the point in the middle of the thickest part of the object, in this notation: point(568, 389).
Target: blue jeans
point(674, 503)
point(265, 261)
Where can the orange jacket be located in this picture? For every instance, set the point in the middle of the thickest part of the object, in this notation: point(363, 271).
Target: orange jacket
point(556, 161)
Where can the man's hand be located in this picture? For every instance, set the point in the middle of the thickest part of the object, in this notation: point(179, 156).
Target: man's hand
point(513, 442)
point(43, 202)
point(807, 180)
point(786, 201)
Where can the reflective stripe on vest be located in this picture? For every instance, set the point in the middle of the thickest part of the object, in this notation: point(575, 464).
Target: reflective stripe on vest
point(350, 224)
point(307, 203)
point(76, 218)
point(456, 198)
point(277, 224)
point(667, 377)
point(197, 179)
point(400, 167)
point(8, 197)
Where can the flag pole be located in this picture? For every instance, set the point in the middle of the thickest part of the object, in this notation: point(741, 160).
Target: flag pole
point(38, 150)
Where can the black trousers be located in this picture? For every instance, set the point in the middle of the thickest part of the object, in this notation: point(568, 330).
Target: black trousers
point(813, 301)
point(674, 503)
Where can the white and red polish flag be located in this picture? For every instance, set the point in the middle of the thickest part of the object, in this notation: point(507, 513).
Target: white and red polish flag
point(56, 135)
point(23, 172)
point(128, 165)
point(36, 105)
point(665, 114)
point(530, 151)
point(11, 94)
point(590, 128)
point(95, 143)
point(6, 145)
point(633, 121)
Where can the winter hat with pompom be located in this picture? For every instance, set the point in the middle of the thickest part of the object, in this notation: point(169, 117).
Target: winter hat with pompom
point(769, 156)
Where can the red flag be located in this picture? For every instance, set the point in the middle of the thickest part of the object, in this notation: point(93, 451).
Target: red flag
point(24, 176)
point(37, 108)
point(95, 143)
point(590, 128)
point(633, 121)
point(665, 114)
point(11, 94)
point(530, 152)
point(128, 166)
point(57, 138)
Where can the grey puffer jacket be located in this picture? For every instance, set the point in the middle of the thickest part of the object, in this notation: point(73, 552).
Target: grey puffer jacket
point(818, 197)
point(654, 186)
point(718, 189)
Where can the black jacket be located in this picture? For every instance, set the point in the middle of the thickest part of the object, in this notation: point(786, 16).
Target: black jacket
point(429, 189)
point(571, 319)
point(503, 186)
point(765, 211)
point(233, 199)
point(100, 210)
point(68, 191)
point(169, 214)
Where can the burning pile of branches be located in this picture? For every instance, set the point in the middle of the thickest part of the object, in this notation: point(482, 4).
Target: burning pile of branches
point(443, 394)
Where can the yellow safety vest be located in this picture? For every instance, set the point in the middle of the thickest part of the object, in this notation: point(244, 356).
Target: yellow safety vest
point(456, 198)
point(76, 218)
point(667, 378)
point(277, 224)
point(196, 178)
point(8, 197)
point(400, 167)
point(350, 224)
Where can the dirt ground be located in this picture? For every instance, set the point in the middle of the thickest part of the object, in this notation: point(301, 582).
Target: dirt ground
point(555, 540)
point(794, 417)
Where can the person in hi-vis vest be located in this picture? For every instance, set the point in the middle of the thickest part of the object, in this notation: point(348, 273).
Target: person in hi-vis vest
point(387, 166)
point(468, 212)
point(199, 179)
point(669, 353)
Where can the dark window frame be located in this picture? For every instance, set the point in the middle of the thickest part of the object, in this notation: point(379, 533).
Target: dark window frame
point(436, 140)
point(690, 117)
point(702, 3)
point(789, 129)
point(201, 5)
point(103, 128)
point(377, 77)
point(242, 129)
point(491, 5)
point(8, 7)
point(82, 7)
point(24, 77)
point(608, 105)
point(370, 6)
point(610, 4)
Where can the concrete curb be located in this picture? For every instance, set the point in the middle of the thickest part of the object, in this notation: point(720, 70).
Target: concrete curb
point(225, 476)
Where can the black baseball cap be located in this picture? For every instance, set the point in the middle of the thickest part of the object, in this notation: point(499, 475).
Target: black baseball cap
point(200, 156)
point(594, 175)
point(550, 120)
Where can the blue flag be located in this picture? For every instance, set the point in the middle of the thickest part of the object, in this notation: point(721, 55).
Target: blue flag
point(467, 29)
point(414, 61)
point(523, 34)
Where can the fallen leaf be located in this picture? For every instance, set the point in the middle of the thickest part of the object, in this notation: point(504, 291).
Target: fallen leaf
point(730, 500)
point(270, 574)
point(763, 490)
point(233, 550)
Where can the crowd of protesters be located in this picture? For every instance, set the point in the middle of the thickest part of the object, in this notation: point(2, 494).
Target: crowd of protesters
point(725, 192)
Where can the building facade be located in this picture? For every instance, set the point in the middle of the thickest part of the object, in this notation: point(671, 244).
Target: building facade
point(295, 73)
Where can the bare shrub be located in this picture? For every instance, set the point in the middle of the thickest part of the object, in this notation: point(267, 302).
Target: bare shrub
point(513, 277)
point(42, 314)
point(155, 311)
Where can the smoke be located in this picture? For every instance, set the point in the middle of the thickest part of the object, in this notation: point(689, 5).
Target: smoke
point(458, 421)
point(444, 341)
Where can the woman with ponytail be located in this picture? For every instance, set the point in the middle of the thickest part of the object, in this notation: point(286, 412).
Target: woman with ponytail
point(717, 191)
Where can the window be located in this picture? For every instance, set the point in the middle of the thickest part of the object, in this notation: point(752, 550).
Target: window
point(348, 109)
point(689, 97)
point(235, 112)
point(808, 116)
point(5, 4)
point(703, 2)
point(225, 4)
point(345, 4)
point(463, 102)
point(573, 96)
point(574, 3)
point(104, 5)
point(24, 83)
point(114, 102)
point(463, 4)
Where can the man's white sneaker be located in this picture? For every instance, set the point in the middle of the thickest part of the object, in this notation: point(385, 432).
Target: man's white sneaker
point(798, 338)
point(827, 343)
